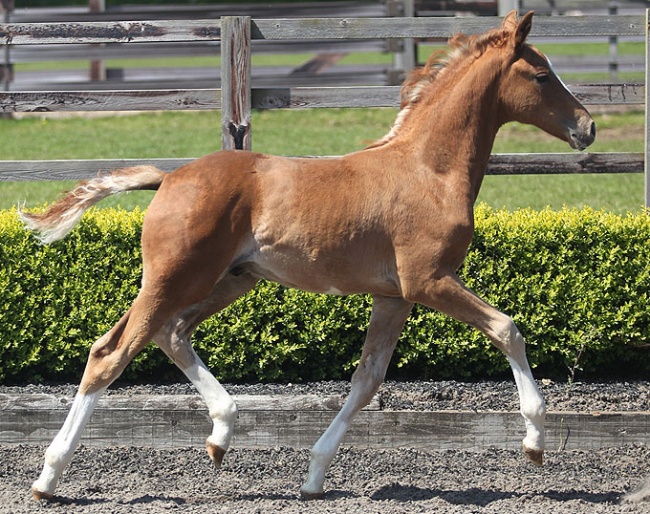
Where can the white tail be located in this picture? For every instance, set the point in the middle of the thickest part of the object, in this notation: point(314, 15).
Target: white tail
point(59, 219)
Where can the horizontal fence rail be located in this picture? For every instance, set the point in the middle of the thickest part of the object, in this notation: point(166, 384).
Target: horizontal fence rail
point(500, 164)
point(170, 421)
point(236, 90)
point(262, 98)
point(307, 28)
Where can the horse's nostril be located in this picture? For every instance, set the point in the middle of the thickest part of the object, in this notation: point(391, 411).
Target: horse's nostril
point(593, 129)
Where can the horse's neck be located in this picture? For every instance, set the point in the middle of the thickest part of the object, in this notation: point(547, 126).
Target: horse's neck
point(452, 133)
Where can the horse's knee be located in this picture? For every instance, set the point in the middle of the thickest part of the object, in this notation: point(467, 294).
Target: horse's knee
point(103, 347)
point(110, 354)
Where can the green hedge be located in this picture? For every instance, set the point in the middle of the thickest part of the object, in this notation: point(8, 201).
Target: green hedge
point(576, 282)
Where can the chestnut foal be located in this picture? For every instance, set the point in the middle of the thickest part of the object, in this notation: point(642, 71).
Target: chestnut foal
point(393, 220)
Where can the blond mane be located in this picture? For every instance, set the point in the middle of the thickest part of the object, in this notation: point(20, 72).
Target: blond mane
point(460, 49)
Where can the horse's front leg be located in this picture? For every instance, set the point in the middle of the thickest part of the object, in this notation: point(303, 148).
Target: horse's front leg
point(450, 296)
point(386, 323)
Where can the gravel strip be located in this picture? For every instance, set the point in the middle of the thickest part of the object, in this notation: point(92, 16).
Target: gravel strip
point(420, 396)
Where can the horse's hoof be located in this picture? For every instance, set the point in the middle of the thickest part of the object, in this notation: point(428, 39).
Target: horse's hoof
point(535, 456)
point(216, 453)
point(40, 495)
point(307, 496)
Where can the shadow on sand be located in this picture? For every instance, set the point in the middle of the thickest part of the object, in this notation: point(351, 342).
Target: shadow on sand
point(481, 497)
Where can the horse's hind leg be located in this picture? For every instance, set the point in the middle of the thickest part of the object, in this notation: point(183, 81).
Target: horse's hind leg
point(108, 357)
point(386, 323)
point(174, 340)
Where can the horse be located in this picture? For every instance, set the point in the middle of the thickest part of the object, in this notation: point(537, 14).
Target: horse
point(393, 220)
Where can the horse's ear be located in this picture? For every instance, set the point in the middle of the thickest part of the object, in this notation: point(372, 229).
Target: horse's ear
point(523, 29)
point(510, 22)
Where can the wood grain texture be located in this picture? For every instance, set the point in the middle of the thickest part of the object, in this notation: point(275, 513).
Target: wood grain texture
point(500, 164)
point(261, 98)
point(109, 32)
point(307, 28)
point(297, 421)
point(236, 83)
point(83, 101)
point(443, 27)
point(17, 171)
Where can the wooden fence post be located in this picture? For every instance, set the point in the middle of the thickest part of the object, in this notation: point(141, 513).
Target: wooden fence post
point(97, 67)
point(236, 83)
point(612, 10)
point(6, 67)
point(647, 112)
point(404, 50)
point(505, 6)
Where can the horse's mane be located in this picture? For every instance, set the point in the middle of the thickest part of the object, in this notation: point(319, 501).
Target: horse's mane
point(460, 48)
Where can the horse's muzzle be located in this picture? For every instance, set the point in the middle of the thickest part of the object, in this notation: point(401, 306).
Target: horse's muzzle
point(582, 135)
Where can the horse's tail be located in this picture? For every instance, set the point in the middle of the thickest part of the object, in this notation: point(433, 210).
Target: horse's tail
point(62, 216)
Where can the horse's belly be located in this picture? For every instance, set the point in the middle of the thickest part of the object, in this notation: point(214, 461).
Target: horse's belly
point(339, 275)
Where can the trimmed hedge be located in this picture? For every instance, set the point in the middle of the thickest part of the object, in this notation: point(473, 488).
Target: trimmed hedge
point(576, 282)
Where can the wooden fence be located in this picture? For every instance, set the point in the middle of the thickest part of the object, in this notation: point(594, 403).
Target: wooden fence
point(236, 98)
point(326, 68)
point(323, 69)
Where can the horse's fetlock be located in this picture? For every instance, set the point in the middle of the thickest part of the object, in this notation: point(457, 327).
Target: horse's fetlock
point(54, 455)
point(226, 413)
point(535, 409)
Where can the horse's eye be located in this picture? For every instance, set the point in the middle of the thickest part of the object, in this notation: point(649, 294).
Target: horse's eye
point(542, 77)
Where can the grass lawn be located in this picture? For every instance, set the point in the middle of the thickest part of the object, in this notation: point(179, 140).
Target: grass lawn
point(309, 132)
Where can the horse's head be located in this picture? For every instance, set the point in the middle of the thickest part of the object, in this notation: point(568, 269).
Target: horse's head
point(532, 93)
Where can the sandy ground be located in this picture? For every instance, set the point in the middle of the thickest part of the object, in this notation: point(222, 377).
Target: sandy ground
point(120, 480)
point(402, 480)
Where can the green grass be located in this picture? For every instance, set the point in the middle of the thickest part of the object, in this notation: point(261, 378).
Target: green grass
point(308, 132)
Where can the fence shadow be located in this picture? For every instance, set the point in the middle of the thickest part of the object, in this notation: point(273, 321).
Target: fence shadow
point(478, 497)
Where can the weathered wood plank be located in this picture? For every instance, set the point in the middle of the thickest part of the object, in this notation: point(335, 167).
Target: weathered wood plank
point(310, 97)
point(609, 94)
point(500, 164)
point(271, 402)
point(70, 101)
point(262, 98)
point(17, 171)
point(298, 422)
point(361, 28)
point(306, 28)
point(160, 31)
point(388, 96)
point(565, 163)
point(236, 83)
